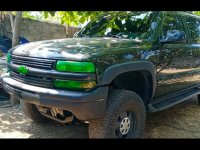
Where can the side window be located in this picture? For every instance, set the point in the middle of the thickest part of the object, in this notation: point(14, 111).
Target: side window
point(171, 22)
point(194, 29)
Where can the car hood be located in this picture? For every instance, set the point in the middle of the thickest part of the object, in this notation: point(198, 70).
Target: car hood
point(72, 48)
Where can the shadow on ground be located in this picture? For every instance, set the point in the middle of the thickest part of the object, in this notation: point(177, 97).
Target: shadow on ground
point(14, 124)
point(181, 121)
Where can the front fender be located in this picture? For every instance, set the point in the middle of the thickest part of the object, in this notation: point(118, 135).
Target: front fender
point(113, 71)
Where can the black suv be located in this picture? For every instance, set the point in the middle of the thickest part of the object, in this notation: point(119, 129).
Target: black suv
point(112, 72)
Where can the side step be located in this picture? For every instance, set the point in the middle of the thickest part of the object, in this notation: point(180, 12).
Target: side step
point(173, 99)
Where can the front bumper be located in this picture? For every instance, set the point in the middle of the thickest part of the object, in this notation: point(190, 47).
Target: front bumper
point(84, 105)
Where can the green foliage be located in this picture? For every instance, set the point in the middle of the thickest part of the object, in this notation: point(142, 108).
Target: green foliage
point(27, 14)
point(47, 13)
point(196, 13)
point(120, 24)
point(74, 18)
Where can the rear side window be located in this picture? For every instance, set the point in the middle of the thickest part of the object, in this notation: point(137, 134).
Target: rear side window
point(171, 22)
point(194, 29)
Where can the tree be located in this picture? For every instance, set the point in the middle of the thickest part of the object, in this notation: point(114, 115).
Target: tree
point(74, 18)
point(15, 25)
point(71, 18)
point(196, 13)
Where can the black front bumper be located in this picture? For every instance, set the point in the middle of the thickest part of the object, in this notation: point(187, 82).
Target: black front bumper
point(84, 105)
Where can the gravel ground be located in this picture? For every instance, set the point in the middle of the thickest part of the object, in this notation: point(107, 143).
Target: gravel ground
point(180, 121)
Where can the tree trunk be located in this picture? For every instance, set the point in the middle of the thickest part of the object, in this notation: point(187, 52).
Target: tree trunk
point(16, 28)
point(12, 21)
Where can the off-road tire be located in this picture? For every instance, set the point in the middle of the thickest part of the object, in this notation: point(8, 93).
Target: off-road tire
point(119, 101)
point(32, 112)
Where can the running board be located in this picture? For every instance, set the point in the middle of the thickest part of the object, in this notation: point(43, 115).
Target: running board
point(173, 99)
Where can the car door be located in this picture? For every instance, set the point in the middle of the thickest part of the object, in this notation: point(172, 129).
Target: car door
point(174, 60)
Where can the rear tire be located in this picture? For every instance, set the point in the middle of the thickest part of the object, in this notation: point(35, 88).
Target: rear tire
point(33, 113)
point(124, 118)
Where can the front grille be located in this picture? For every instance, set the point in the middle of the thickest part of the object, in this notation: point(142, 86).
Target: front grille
point(41, 72)
point(32, 80)
point(33, 62)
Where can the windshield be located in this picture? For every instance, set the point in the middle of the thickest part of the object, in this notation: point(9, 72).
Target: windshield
point(132, 25)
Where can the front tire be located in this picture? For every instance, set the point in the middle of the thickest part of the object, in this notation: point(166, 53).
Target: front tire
point(124, 118)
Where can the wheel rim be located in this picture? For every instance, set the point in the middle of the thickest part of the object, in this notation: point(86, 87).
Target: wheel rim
point(125, 125)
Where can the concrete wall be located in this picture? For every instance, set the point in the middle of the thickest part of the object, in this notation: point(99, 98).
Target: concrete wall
point(35, 30)
point(185, 63)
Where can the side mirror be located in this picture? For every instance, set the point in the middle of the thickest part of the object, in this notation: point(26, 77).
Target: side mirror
point(174, 36)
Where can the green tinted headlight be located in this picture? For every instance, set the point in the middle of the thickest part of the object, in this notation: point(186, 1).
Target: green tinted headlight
point(8, 57)
point(72, 66)
point(74, 84)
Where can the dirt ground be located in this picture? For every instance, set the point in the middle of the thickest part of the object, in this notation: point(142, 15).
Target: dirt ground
point(180, 121)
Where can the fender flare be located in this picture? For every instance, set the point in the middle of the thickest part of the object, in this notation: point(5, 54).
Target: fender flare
point(113, 71)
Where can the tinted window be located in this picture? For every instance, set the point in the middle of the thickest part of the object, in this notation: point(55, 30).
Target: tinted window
point(172, 22)
point(133, 25)
point(194, 29)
